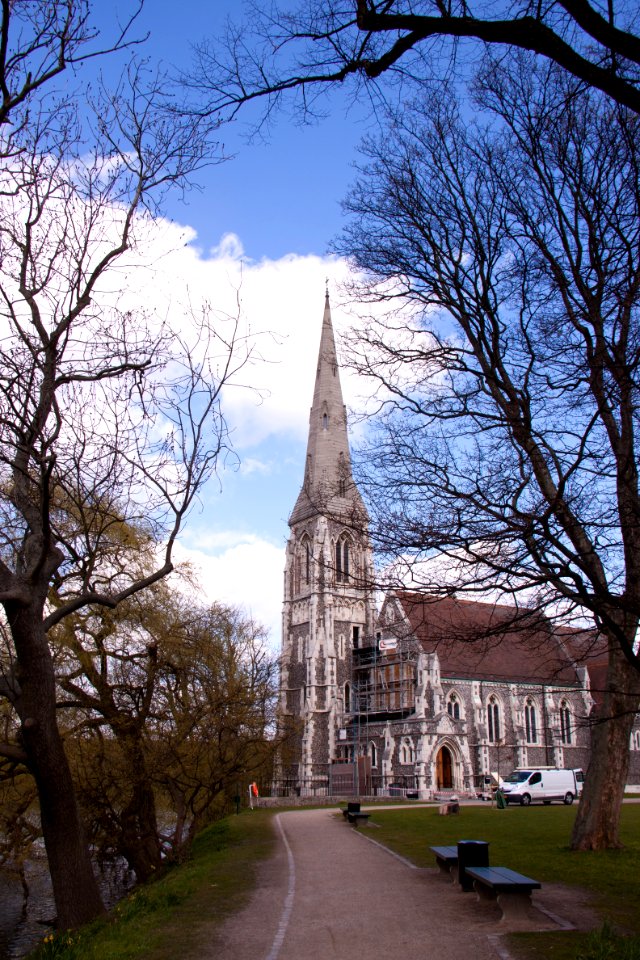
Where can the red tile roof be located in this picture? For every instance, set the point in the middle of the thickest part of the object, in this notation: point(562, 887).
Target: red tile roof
point(590, 649)
point(487, 641)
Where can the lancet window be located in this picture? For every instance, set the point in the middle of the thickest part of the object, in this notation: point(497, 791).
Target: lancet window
point(493, 719)
point(453, 706)
point(565, 722)
point(530, 722)
point(342, 559)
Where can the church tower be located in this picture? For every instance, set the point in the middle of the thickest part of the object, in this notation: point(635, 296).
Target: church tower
point(328, 590)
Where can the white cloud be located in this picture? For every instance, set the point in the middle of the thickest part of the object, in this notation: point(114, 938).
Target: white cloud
point(280, 303)
point(245, 571)
point(252, 465)
point(229, 248)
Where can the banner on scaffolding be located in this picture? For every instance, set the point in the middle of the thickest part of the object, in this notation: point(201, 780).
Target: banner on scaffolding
point(390, 643)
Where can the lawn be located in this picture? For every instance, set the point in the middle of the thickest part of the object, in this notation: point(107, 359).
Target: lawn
point(535, 841)
point(182, 907)
point(190, 900)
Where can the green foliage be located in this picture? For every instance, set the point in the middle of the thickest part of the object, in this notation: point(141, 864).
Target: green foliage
point(181, 706)
point(606, 944)
point(178, 906)
point(190, 899)
point(64, 946)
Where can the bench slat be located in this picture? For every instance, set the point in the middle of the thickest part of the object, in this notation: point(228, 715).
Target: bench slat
point(497, 877)
point(445, 853)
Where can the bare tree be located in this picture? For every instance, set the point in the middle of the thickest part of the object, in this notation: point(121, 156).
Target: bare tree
point(41, 41)
point(508, 430)
point(284, 49)
point(106, 417)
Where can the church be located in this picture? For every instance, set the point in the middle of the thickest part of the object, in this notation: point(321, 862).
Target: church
point(429, 696)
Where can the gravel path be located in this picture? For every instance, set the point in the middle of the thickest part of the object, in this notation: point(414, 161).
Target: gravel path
point(331, 891)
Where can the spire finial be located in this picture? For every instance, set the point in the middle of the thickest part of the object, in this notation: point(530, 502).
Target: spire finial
point(326, 287)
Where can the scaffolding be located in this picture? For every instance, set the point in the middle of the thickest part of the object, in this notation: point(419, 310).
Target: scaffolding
point(384, 684)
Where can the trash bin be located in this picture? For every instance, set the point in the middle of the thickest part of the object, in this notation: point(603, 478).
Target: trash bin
point(471, 853)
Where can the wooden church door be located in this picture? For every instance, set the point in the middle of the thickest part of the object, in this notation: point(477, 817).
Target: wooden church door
point(444, 770)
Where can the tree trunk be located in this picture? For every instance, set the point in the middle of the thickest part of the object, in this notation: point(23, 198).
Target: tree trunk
point(75, 889)
point(597, 821)
point(140, 843)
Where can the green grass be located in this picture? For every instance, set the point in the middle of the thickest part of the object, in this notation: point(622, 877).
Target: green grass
point(606, 944)
point(534, 841)
point(181, 906)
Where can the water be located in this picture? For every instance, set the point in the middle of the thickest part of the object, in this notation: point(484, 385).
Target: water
point(22, 926)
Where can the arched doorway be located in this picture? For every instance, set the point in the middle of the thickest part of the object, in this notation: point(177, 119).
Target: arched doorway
point(444, 769)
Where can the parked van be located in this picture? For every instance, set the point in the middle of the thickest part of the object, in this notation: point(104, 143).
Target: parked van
point(545, 784)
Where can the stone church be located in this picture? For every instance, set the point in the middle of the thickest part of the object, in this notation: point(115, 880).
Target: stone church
point(429, 696)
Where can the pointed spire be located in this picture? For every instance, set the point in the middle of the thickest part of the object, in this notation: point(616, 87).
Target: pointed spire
point(328, 486)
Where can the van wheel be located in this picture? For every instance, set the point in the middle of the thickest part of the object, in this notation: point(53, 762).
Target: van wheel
point(526, 800)
point(568, 799)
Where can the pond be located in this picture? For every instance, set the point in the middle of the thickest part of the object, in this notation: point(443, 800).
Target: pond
point(22, 926)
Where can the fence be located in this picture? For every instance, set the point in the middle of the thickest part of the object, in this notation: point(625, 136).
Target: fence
point(343, 780)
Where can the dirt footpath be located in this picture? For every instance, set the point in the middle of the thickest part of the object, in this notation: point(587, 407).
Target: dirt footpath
point(332, 892)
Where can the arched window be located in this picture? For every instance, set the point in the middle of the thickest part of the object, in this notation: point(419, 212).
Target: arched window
point(343, 472)
point(453, 706)
point(342, 559)
point(565, 722)
point(302, 565)
point(347, 698)
point(325, 421)
point(373, 753)
point(531, 728)
point(406, 752)
point(307, 560)
point(493, 719)
point(295, 574)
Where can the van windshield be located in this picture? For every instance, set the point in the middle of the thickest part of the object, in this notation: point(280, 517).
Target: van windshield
point(518, 776)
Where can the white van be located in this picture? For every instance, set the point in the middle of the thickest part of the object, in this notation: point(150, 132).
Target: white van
point(546, 784)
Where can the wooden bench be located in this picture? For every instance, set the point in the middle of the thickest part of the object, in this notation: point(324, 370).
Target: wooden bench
point(447, 860)
point(352, 806)
point(511, 890)
point(356, 818)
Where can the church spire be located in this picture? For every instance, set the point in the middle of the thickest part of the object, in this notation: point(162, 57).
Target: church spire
point(328, 606)
point(328, 486)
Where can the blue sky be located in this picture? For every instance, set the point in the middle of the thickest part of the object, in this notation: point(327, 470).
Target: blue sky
point(279, 197)
point(262, 222)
